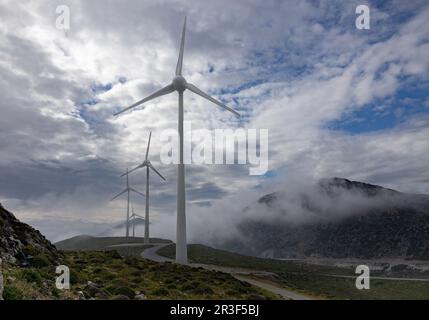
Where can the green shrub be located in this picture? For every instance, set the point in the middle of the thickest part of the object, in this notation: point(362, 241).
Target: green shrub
point(80, 261)
point(124, 291)
point(32, 276)
point(202, 289)
point(40, 261)
point(231, 292)
point(12, 293)
point(76, 277)
point(108, 275)
point(56, 292)
point(240, 288)
point(113, 254)
point(136, 273)
point(119, 283)
point(160, 292)
point(187, 287)
point(30, 250)
point(171, 286)
point(110, 289)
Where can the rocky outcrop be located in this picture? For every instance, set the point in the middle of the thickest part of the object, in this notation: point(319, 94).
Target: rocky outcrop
point(22, 245)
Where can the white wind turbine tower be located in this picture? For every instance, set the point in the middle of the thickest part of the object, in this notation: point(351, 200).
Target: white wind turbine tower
point(127, 190)
point(133, 217)
point(146, 163)
point(179, 84)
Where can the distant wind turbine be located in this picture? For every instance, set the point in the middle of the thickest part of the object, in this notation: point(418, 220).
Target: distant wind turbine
point(133, 217)
point(146, 163)
point(179, 84)
point(128, 190)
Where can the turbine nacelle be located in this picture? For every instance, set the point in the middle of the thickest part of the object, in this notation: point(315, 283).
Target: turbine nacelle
point(179, 83)
point(146, 162)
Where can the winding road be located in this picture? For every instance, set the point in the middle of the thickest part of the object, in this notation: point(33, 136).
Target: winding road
point(246, 274)
point(151, 254)
point(239, 274)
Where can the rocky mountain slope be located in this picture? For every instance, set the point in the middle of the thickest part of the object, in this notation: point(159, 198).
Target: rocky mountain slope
point(337, 218)
point(22, 245)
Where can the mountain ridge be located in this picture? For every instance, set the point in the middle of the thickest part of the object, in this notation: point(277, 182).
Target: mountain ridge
point(340, 218)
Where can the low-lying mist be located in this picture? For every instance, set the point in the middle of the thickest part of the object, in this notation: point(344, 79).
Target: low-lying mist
point(293, 203)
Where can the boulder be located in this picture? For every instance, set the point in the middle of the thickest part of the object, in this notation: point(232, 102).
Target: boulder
point(140, 296)
point(81, 295)
point(93, 291)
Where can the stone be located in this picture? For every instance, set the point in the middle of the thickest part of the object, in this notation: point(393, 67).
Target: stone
point(81, 295)
point(92, 290)
point(140, 296)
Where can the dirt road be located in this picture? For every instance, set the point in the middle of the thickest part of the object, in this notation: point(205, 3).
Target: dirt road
point(239, 274)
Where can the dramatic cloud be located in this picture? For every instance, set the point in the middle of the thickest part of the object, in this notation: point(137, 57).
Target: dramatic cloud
point(337, 101)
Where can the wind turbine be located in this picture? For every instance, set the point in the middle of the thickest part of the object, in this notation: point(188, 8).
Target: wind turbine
point(180, 84)
point(146, 163)
point(128, 190)
point(134, 216)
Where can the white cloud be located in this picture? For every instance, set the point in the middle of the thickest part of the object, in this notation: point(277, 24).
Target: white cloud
point(290, 67)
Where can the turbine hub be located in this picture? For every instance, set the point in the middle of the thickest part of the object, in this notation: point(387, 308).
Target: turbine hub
point(179, 83)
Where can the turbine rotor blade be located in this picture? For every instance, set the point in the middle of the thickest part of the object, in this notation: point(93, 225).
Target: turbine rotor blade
point(148, 145)
point(166, 90)
point(120, 194)
point(134, 190)
point(137, 216)
point(136, 168)
point(157, 172)
point(182, 48)
point(201, 93)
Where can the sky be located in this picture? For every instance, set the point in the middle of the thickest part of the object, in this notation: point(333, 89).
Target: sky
point(337, 102)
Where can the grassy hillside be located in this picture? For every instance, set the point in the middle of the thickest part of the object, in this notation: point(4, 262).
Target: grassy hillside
point(88, 243)
point(107, 275)
point(203, 254)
